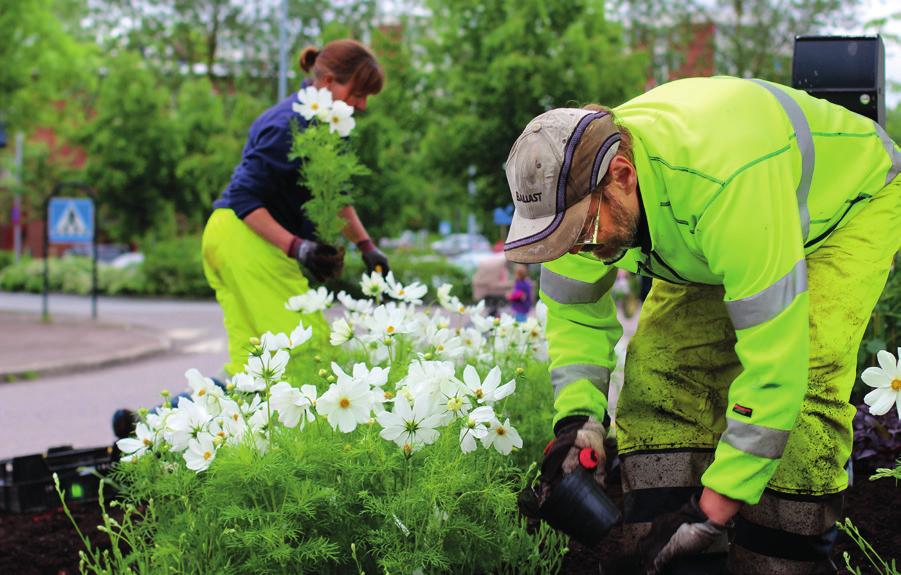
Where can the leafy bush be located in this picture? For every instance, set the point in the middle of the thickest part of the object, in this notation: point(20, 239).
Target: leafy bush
point(254, 479)
point(6, 259)
point(877, 439)
point(175, 267)
point(884, 329)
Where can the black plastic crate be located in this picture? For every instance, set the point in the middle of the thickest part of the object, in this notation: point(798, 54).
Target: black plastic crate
point(26, 482)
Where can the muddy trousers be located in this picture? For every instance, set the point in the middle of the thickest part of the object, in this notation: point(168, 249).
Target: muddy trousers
point(253, 279)
point(679, 365)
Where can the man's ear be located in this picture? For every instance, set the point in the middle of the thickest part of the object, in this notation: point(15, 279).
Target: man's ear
point(622, 174)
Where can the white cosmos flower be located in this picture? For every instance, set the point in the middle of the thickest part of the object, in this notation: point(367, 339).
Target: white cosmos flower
point(292, 406)
point(200, 452)
point(445, 344)
point(312, 301)
point(354, 305)
point(502, 436)
point(268, 367)
point(300, 335)
point(375, 377)
point(541, 313)
point(487, 391)
point(346, 404)
point(341, 119)
point(201, 386)
point(387, 322)
point(475, 426)
point(342, 332)
point(410, 426)
point(373, 285)
point(186, 422)
point(313, 103)
point(887, 380)
point(472, 341)
point(444, 296)
point(247, 383)
point(482, 324)
point(232, 420)
point(412, 293)
point(134, 447)
point(274, 341)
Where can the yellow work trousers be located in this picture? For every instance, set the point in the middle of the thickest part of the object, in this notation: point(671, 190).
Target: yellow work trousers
point(253, 279)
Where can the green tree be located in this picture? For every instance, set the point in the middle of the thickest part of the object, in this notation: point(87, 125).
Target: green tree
point(132, 151)
point(498, 63)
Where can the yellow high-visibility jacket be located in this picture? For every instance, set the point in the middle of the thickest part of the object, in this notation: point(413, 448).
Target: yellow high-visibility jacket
point(739, 180)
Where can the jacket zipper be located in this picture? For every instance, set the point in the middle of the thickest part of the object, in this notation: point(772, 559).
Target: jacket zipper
point(831, 229)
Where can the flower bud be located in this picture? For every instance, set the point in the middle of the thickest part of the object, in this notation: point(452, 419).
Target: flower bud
point(142, 412)
point(254, 341)
point(520, 371)
point(165, 393)
point(323, 373)
point(428, 356)
point(330, 379)
point(317, 359)
point(229, 387)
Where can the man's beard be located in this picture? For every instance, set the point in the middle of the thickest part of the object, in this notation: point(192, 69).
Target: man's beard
point(625, 234)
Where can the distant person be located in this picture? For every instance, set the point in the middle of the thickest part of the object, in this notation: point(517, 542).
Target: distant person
point(521, 296)
point(258, 246)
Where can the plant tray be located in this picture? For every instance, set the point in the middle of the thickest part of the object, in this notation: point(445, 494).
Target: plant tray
point(26, 482)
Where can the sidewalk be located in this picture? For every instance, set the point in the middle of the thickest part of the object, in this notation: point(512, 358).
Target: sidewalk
point(30, 348)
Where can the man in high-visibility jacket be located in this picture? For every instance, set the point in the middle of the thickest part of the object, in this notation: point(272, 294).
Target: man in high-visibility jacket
point(771, 219)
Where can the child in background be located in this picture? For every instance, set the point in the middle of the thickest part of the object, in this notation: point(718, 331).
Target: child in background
point(521, 296)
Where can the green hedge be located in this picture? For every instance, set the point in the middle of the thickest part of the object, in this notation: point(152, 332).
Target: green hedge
point(174, 268)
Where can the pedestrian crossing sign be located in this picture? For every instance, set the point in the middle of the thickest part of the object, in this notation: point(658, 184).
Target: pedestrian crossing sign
point(70, 220)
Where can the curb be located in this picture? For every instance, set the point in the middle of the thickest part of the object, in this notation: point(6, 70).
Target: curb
point(158, 344)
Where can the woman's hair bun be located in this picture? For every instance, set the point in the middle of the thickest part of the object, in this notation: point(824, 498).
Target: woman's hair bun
point(308, 58)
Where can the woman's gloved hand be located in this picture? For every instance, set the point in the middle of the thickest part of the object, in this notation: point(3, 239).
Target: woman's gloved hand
point(373, 257)
point(323, 261)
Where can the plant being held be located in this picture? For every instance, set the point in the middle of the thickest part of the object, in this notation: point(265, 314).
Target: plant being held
point(327, 162)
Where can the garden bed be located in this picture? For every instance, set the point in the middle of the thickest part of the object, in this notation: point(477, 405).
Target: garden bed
point(47, 544)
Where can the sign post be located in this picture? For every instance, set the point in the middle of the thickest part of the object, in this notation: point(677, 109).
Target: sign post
point(70, 221)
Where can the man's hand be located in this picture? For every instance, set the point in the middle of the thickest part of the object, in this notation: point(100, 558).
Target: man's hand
point(374, 259)
point(573, 434)
point(687, 531)
point(323, 261)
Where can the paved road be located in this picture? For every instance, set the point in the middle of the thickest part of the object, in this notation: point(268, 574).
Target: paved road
point(76, 409)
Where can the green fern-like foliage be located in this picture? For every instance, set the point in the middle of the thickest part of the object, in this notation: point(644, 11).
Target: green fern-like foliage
point(327, 167)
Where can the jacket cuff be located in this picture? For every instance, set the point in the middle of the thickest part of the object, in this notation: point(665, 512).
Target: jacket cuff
point(739, 475)
point(580, 398)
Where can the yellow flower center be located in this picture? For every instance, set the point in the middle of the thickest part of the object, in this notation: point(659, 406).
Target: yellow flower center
point(407, 449)
point(314, 105)
point(479, 393)
point(389, 394)
point(202, 392)
point(235, 416)
point(207, 455)
point(454, 403)
point(389, 330)
point(440, 348)
point(344, 403)
point(401, 292)
point(501, 431)
point(147, 442)
point(896, 384)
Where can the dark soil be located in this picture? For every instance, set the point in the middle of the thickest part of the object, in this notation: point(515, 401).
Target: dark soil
point(47, 544)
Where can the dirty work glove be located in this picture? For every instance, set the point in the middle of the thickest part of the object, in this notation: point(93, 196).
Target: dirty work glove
point(561, 457)
point(323, 261)
point(373, 257)
point(687, 531)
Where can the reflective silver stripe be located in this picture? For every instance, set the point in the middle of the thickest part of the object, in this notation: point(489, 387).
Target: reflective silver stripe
point(566, 290)
point(892, 153)
point(767, 304)
point(805, 145)
point(755, 439)
point(567, 374)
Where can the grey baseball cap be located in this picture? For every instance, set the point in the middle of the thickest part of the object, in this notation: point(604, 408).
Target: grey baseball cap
point(553, 167)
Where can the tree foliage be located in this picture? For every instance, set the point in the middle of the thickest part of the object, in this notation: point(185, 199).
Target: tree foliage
point(498, 63)
point(132, 150)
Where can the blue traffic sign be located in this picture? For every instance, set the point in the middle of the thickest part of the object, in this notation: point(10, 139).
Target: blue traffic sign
point(70, 220)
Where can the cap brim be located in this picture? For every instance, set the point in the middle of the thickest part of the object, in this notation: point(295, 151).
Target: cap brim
point(552, 246)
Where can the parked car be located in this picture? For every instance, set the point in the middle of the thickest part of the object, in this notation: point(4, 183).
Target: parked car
point(455, 244)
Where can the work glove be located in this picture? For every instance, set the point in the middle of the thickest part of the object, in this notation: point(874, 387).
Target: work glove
point(323, 261)
point(373, 257)
point(561, 456)
point(687, 531)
